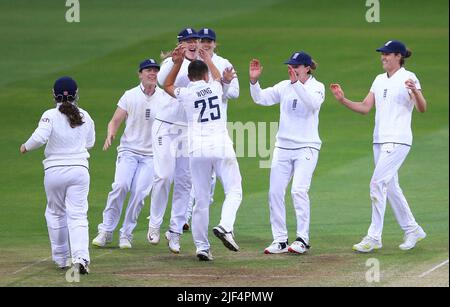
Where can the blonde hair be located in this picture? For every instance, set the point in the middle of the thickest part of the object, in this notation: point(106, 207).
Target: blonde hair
point(312, 67)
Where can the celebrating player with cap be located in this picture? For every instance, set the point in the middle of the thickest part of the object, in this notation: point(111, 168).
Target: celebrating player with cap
point(134, 165)
point(394, 94)
point(297, 147)
point(68, 132)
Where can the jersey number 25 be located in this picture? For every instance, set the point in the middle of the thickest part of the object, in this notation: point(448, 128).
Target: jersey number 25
point(212, 115)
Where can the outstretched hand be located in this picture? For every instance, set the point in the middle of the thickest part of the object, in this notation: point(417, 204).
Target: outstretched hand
point(229, 74)
point(204, 55)
point(178, 54)
point(337, 91)
point(255, 70)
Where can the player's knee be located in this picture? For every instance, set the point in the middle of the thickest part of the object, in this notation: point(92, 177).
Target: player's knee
point(378, 189)
point(121, 186)
point(299, 193)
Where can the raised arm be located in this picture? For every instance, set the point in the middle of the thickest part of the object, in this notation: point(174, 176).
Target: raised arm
point(113, 125)
point(363, 107)
point(266, 97)
point(206, 57)
point(313, 100)
point(230, 83)
point(177, 57)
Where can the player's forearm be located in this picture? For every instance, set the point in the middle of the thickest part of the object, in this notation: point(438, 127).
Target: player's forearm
point(34, 142)
point(358, 107)
point(309, 101)
point(419, 101)
point(260, 96)
point(170, 80)
point(214, 71)
point(113, 127)
point(231, 90)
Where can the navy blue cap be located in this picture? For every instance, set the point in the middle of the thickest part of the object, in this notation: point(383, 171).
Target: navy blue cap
point(65, 89)
point(148, 63)
point(299, 58)
point(393, 46)
point(207, 34)
point(187, 33)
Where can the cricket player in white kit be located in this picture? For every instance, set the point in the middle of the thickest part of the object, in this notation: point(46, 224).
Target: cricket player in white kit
point(210, 148)
point(394, 94)
point(297, 146)
point(68, 132)
point(170, 146)
point(134, 165)
point(231, 90)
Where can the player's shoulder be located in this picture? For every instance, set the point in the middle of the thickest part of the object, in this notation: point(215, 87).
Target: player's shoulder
point(409, 74)
point(49, 114)
point(166, 60)
point(316, 83)
point(85, 114)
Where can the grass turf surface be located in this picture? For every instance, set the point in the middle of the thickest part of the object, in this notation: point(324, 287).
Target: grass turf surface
point(102, 52)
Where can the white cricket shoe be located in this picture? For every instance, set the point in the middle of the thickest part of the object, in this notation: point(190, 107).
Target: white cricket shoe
point(276, 248)
point(367, 245)
point(299, 246)
point(411, 239)
point(226, 238)
point(204, 255)
point(153, 235)
point(173, 240)
point(124, 243)
point(103, 238)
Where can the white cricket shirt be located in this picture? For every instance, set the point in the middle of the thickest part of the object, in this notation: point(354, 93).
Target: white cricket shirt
point(175, 112)
point(394, 107)
point(299, 111)
point(141, 110)
point(207, 126)
point(66, 146)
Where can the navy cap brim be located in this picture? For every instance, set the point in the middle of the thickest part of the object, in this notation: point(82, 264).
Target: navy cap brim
point(148, 66)
point(384, 49)
point(208, 37)
point(195, 36)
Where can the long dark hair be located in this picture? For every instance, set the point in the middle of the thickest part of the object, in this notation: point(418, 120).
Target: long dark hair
point(72, 112)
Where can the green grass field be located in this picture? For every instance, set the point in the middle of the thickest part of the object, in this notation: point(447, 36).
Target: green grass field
point(102, 53)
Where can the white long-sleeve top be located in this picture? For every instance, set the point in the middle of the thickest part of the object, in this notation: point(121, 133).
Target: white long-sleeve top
point(299, 111)
point(66, 146)
point(174, 112)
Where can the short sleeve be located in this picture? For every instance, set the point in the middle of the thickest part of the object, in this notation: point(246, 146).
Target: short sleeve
point(123, 102)
point(373, 88)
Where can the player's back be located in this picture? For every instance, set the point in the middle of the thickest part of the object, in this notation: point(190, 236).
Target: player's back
point(205, 113)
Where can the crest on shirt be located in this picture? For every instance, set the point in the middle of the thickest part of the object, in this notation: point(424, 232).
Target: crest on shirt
point(385, 93)
point(147, 114)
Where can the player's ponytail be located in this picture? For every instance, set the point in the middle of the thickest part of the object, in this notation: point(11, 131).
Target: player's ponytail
point(312, 67)
point(72, 112)
point(407, 55)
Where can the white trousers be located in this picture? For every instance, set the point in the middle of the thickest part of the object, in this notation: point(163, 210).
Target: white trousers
point(171, 165)
point(134, 174)
point(225, 165)
point(299, 164)
point(384, 186)
point(67, 190)
point(192, 198)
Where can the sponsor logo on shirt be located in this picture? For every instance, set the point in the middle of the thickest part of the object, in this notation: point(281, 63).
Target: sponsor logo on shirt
point(45, 120)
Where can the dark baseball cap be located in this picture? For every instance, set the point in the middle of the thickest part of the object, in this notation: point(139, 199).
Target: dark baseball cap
point(299, 58)
point(65, 89)
point(393, 46)
point(148, 63)
point(207, 34)
point(186, 34)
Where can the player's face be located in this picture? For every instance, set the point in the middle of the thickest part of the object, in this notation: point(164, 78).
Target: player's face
point(300, 70)
point(390, 61)
point(191, 46)
point(148, 76)
point(208, 45)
